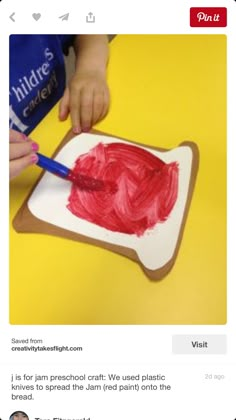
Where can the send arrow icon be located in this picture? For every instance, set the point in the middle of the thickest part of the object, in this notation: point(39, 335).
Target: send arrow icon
point(64, 17)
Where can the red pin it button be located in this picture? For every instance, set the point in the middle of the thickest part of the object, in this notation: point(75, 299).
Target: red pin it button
point(211, 17)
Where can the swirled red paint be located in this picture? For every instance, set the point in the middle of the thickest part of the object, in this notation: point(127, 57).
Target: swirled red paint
point(145, 192)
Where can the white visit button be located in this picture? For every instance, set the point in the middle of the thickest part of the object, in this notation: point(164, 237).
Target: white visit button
point(199, 344)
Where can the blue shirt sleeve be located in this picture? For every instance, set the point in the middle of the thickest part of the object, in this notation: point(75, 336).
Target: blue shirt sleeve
point(37, 77)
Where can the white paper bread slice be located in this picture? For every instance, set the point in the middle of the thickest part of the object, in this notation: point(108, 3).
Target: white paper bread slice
point(155, 250)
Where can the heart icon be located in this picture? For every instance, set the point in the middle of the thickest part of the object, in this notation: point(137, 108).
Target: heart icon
point(36, 16)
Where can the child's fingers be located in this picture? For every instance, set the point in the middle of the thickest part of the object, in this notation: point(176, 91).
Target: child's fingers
point(21, 153)
point(64, 106)
point(86, 109)
point(21, 149)
point(18, 165)
point(16, 137)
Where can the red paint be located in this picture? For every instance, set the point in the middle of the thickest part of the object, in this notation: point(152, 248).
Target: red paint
point(85, 182)
point(146, 190)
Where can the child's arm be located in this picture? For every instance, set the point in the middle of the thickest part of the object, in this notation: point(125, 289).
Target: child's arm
point(22, 153)
point(87, 96)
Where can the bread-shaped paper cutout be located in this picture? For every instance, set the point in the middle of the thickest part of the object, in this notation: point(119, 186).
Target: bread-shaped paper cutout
point(157, 248)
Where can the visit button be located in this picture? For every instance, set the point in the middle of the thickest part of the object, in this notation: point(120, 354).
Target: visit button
point(208, 17)
point(199, 344)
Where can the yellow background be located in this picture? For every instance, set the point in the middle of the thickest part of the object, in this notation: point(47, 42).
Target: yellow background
point(164, 90)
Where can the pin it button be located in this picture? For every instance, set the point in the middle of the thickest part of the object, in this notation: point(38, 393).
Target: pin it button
point(211, 17)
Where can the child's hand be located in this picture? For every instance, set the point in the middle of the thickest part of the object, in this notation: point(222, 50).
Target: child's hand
point(86, 99)
point(22, 153)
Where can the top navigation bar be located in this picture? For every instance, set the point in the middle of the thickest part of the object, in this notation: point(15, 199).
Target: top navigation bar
point(199, 17)
point(165, 17)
